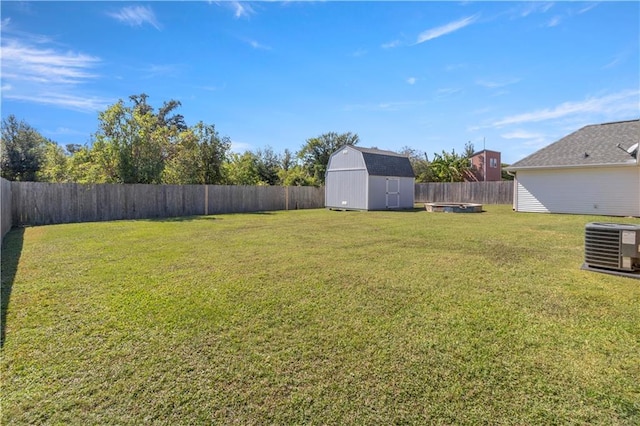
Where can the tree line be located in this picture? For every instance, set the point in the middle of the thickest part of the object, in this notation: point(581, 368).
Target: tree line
point(137, 143)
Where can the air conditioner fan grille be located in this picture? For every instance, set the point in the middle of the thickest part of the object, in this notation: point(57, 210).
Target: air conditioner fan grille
point(602, 248)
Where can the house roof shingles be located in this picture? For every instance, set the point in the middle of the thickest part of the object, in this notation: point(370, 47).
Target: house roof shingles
point(595, 144)
point(385, 163)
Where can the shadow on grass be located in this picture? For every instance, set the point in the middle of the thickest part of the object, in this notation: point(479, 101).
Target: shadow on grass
point(461, 213)
point(11, 250)
point(201, 218)
point(182, 219)
point(411, 210)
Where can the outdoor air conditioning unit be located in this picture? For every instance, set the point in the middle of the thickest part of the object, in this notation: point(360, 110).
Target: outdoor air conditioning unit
point(613, 246)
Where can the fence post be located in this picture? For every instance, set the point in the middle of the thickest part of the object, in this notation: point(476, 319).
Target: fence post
point(7, 206)
point(286, 198)
point(206, 200)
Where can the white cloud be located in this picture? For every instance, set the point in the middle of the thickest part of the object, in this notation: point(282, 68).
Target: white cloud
point(391, 44)
point(555, 21)
point(257, 45)
point(623, 103)
point(155, 70)
point(447, 91)
point(523, 142)
point(240, 147)
point(480, 111)
point(618, 59)
point(65, 131)
point(389, 106)
point(211, 88)
point(587, 8)
point(40, 74)
point(453, 67)
point(411, 80)
point(500, 93)
point(358, 53)
point(521, 134)
point(384, 106)
point(445, 29)
point(68, 101)
point(45, 65)
point(494, 84)
point(535, 7)
point(136, 16)
point(241, 9)
point(615, 61)
point(546, 6)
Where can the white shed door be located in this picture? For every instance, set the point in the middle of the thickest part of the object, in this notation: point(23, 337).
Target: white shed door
point(393, 193)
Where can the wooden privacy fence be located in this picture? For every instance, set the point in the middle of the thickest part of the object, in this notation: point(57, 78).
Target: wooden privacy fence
point(35, 203)
point(5, 206)
point(498, 192)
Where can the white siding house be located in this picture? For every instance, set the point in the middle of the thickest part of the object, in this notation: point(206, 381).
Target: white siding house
point(368, 179)
point(594, 170)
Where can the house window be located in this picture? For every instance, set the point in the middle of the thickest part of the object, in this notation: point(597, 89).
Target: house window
point(493, 163)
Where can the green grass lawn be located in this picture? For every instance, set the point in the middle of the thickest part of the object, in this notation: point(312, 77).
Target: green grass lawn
point(317, 317)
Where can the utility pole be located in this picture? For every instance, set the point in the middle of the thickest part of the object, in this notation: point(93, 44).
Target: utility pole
point(484, 149)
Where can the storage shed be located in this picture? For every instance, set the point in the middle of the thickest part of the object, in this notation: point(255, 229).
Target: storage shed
point(595, 170)
point(369, 179)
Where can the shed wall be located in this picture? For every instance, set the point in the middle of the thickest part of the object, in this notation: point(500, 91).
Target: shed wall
point(407, 193)
point(346, 189)
point(378, 196)
point(611, 191)
point(347, 158)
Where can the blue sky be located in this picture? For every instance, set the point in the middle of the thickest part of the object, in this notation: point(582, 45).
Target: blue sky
point(510, 76)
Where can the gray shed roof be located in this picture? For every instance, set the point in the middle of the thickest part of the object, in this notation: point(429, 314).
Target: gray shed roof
point(595, 144)
point(385, 163)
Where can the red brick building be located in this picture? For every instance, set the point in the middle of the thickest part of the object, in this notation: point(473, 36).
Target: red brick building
point(485, 166)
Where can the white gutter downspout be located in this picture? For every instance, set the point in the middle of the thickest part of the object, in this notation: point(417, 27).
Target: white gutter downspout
point(514, 207)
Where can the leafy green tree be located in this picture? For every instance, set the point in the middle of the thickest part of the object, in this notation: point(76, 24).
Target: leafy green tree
point(504, 174)
point(291, 173)
point(125, 132)
point(183, 165)
point(72, 148)
point(469, 150)
point(268, 163)
point(139, 138)
point(242, 169)
point(296, 176)
point(287, 160)
point(95, 164)
point(316, 151)
point(419, 163)
point(197, 157)
point(23, 150)
point(55, 164)
point(213, 152)
point(449, 167)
